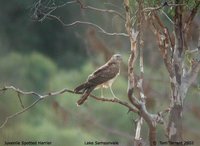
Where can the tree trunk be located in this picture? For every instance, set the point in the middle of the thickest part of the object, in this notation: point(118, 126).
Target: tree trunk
point(177, 85)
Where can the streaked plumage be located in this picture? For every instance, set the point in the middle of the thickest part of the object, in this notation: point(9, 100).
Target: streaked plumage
point(103, 77)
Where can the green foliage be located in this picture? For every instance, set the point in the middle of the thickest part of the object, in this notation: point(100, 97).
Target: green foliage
point(133, 6)
point(62, 125)
point(46, 131)
point(40, 70)
point(31, 71)
point(21, 34)
point(190, 4)
point(12, 68)
point(31, 57)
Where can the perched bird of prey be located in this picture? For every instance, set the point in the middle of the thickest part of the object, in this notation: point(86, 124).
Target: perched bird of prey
point(103, 77)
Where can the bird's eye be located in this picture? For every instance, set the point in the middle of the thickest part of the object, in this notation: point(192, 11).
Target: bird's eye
point(118, 56)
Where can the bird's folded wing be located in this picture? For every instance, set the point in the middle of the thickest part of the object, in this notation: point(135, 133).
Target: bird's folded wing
point(103, 74)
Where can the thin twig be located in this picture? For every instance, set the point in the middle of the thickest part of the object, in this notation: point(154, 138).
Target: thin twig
point(62, 5)
point(46, 15)
point(20, 100)
point(39, 8)
point(167, 17)
point(161, 115)
point(20, 112)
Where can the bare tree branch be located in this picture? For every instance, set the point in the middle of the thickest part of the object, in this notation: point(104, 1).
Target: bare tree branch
point(87, 23)
point(178, 87)
point(164, 41)
point(95, 25)
point(83, 6)
point(20, 112)
point(187, 26)
point(46, 15)
point(133, 56)
point(62, 5)
point(41, 97)
point(161, 6)
point(191, 16)
point(140, 45)
point(51, 9)
point(138, 128)
point(138, 140)
point(150, 119)
point(116, 100)
point(180, 82)
point(35, 93)
point(194, 72)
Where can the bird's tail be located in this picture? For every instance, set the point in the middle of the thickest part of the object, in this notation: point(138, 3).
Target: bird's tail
point(81, 87)
point(85, 96)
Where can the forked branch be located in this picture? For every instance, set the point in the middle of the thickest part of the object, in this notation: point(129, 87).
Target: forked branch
point(50, 94)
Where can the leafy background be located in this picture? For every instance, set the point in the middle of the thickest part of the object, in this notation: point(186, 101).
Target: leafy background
point(45, 56)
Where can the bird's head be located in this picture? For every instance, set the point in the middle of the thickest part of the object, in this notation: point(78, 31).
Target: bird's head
point(117, 58)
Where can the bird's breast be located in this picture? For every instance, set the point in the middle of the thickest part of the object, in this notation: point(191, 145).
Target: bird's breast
point(107, 84)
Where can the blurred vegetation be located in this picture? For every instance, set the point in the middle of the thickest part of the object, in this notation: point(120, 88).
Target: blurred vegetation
point(46, 57)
